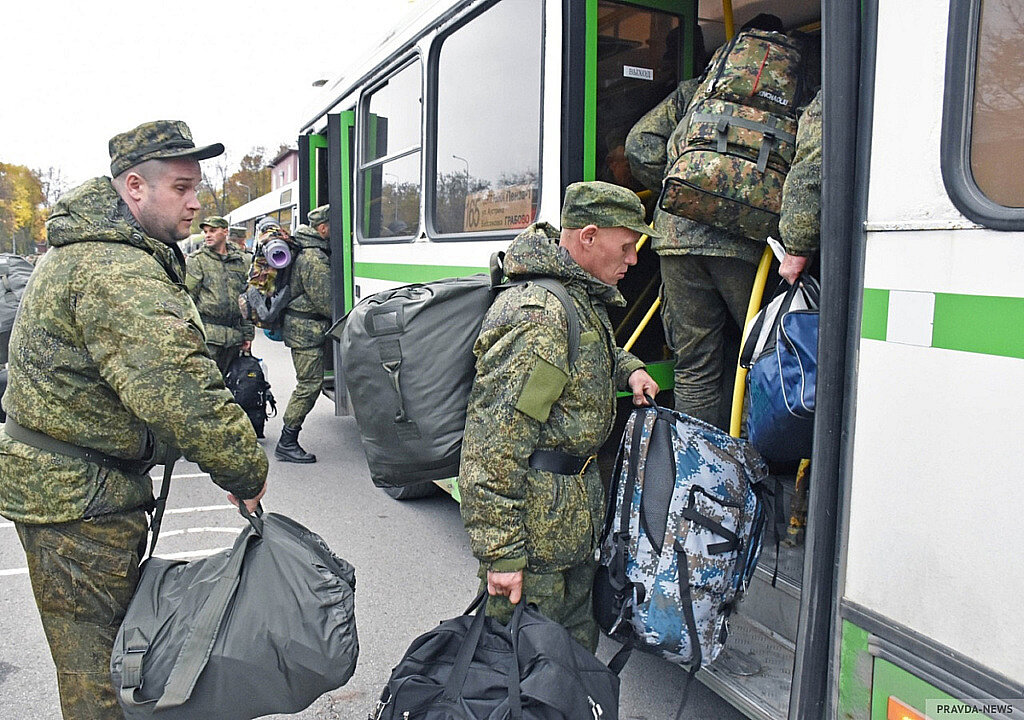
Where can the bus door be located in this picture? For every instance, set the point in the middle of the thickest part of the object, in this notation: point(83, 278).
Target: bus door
point(326, 165)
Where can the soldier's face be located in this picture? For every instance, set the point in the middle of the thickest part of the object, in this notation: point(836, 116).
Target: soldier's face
point(215, 237)
point(607, 253)
point(168, 203)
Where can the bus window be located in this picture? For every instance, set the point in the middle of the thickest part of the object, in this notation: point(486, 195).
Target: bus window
point(638, 64)
point(997, 127)
point(390, 161)
point(487, 148)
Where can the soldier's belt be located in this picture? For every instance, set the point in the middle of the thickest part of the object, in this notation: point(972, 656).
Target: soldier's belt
point(560, 463)
point(42, 441)
point(305, 315)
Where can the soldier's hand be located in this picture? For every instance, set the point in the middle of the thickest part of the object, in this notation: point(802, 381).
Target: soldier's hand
point(509, 584)
point(791, 267)
point(642, 384)
point(252, 502)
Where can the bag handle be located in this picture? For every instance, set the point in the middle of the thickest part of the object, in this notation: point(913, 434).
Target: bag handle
point(460, 668)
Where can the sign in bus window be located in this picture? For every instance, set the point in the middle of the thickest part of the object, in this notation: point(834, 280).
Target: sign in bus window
point(489, 120)
point(997, 132)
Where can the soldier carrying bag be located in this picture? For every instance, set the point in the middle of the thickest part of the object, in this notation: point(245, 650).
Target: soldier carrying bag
point(729, 157)
point(265, 627)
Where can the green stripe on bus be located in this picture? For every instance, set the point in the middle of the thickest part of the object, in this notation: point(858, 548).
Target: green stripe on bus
point(396, 272)
point(855, 663)
point(590, 95)
point(875, 315)
point(979, 324)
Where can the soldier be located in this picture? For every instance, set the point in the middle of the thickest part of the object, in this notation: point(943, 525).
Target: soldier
point(216, 275)
point(109, 370)
point(532, 499)
point(236, 235)
point(800, 216)
point(707, 273)
point(306, 320)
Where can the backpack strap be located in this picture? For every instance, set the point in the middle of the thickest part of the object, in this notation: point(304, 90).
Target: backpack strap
point(572, 317)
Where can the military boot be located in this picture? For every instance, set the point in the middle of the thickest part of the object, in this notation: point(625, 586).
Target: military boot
point(288, 448)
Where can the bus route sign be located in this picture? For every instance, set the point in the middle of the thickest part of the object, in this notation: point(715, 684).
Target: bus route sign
point(505, 209)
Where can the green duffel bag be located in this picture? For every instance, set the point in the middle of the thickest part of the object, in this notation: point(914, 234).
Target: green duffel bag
point(265, 627)
point(730, 155)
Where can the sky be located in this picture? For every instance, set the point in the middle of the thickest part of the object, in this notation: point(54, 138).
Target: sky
point(76, 73)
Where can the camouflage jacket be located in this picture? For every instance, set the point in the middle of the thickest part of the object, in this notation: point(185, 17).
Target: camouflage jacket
point(524, 398)
point(107, 347)
point(310, 280)
point(215, 281)
point(800, 217)
point(647, 151)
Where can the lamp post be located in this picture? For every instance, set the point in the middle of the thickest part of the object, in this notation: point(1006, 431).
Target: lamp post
point(459, 157)
point(247, 189)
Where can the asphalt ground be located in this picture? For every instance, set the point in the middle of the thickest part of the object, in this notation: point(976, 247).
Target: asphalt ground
point(412, 559)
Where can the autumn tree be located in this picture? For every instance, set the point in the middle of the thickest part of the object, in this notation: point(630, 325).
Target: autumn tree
point(22, 210)
point(220, 192)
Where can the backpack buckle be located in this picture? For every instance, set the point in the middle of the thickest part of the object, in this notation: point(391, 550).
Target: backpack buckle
point(583, 469)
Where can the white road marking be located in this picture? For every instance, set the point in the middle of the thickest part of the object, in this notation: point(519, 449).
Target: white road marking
point(230, 530)
point(193, 553)
point(15, 571)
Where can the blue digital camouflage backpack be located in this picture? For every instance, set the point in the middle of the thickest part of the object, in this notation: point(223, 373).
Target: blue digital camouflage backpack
point(682, 536)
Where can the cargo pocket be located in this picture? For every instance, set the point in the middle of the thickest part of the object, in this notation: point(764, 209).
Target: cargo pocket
point(711, 542)
point(558, 522)
point(86, 579)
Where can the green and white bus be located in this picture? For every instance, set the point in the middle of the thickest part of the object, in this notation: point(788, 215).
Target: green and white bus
point(469, 122)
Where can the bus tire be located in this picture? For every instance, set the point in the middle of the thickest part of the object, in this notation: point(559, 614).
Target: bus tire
point(410, 492)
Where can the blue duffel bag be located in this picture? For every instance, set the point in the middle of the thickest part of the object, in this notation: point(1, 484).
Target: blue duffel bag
point(782, 377)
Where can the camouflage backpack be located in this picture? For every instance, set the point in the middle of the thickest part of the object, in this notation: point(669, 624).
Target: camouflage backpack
point(682, 535)
point(729, 156)
point(268, 291)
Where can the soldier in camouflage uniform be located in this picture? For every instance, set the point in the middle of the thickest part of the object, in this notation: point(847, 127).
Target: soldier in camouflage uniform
point(707, 273)
point(108, 369)
point(215, 276)
point(532, 499)
point(800, 216)
point(306, 320)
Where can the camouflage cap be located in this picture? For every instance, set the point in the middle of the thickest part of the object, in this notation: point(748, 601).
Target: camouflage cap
point(214, 221)
point(604, 205)
point(236, 231)
point(319, 215)
point(157, 140)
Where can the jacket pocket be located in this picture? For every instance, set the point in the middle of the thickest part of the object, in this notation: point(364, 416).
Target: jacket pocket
point(558, 522)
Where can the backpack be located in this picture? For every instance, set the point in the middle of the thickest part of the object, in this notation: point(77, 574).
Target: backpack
point(408, 363)
point(269, 290)
point(247, 381)
point(683, 526)
point(14, 274)
point(736, 142)
point(473, 667)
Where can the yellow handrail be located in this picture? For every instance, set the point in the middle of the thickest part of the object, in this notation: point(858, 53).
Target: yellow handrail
point(643, 324)
point(756, 295)
point(730, 24)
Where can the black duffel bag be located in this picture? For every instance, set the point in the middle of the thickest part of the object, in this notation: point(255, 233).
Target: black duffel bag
point(474, 668)
point(265, 627)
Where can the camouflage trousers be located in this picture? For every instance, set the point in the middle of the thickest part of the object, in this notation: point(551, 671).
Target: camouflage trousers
point(309, 382)
point(700, 295)
point(565, 597)
point(223, 355)
point(83, 575)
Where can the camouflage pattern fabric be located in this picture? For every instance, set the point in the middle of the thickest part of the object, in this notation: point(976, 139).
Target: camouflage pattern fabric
point(647, 152)
point(564, 597)
point(310, 280)
point(800, 221)
point(524, 398)
point(604, 205)
point(155, 140)
point(728, 159)
point(699, 296)
point(214, 282)
point(108, 347)
point(715, 476)
point(83, 576)
point(261, 275)
point(309, 381)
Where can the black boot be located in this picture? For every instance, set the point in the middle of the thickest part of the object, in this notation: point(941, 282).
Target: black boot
point(288, 448)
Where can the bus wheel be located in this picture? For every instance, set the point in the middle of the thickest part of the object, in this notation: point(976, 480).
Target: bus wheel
point(410, 492)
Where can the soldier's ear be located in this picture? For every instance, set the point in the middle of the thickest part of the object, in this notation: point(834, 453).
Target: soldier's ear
point(134, 185)
point(588, 234)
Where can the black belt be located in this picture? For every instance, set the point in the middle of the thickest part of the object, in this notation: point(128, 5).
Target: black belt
point(561, 463)
point(306, 315)
point(42, 441)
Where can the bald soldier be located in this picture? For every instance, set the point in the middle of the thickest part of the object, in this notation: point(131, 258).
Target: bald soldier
point(109, 371)
point(532, 498)
point(215, 276)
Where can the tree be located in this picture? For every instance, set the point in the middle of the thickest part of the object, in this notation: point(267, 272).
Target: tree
point(22, 210)
point(221, 192)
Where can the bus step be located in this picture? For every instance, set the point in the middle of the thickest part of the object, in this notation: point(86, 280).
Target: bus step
point(776, 608)
point(754, 672)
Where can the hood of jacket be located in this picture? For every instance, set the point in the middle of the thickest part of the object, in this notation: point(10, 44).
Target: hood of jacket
point(306, 237)
point(94, 212)
point(536, 251)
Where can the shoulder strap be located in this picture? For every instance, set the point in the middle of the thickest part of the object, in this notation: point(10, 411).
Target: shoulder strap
point(571, 315)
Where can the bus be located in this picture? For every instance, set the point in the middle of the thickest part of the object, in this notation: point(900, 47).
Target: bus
point(471, 119)
point(281, 203)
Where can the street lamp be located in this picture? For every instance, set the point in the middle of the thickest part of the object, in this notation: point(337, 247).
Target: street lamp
point(459, 157)
point(247, 189)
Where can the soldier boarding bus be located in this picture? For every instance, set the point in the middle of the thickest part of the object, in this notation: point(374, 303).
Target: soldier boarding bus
point(468, 123)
